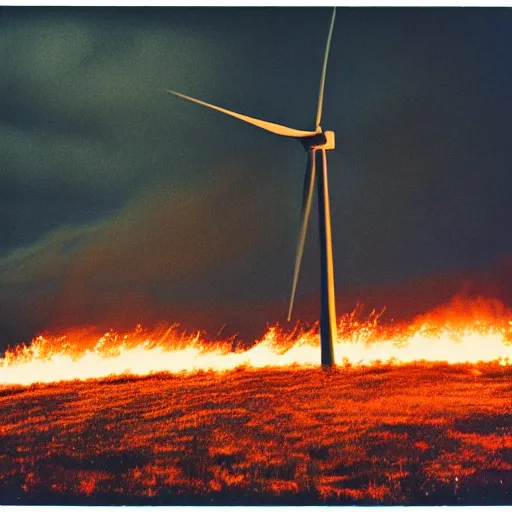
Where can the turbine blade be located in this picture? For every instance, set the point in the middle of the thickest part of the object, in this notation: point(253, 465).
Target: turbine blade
point(307, 197)
point(265, 125)
point(324, 71)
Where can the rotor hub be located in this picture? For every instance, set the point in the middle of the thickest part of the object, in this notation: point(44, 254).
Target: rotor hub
point(322, 140)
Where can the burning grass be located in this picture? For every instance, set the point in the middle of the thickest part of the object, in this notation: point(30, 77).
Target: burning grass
point(414, 414)
point(475, 331)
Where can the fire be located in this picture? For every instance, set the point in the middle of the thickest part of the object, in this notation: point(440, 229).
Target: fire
point(463, 332)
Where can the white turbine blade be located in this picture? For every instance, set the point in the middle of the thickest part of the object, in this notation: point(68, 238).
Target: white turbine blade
point(265, 125)
point(324, 71)
point(307, 197)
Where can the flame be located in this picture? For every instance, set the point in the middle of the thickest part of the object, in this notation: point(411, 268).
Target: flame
point(462, 332)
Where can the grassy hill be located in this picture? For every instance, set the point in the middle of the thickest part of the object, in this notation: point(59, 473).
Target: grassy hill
point(414, 434)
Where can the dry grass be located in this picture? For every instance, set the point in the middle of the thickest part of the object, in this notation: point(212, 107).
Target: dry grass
point(418, 434)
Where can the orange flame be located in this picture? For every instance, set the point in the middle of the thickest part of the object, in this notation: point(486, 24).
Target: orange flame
point(462, 332)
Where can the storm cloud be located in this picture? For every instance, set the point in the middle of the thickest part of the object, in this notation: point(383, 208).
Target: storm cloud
point(118, 200)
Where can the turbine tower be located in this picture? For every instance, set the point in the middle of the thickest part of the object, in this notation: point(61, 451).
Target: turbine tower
point(316, 143)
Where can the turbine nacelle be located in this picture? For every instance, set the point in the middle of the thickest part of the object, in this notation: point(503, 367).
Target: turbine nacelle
point(322, 140)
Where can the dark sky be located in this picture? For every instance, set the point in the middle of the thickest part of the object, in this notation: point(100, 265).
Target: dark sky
point(120, 203)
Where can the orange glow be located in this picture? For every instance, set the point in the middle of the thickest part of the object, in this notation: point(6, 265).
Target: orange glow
point(462, 332)
point(420, 433)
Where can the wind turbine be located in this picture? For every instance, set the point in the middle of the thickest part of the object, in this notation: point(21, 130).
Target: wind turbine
point(316, 143)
